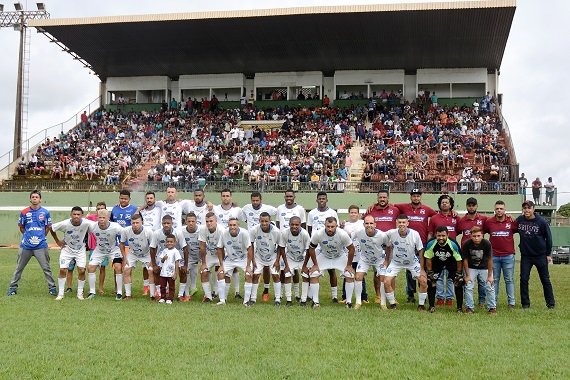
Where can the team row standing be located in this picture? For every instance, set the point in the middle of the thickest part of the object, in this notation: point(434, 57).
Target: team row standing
point(328, 245)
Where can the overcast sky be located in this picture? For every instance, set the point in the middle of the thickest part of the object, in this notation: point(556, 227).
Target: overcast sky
point(533, 77)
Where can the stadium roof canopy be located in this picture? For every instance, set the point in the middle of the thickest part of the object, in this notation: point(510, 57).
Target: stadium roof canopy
point(364, 37)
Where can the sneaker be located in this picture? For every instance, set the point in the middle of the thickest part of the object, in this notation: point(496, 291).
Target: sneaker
point(365, 301)
point(342, 301)
point(206, 300)
point(411, 300)
point(448, 302)
point(182, 299)
point(152, 298)
point(481, 305)
point(277, 303)
point(118, 297)
point(383, 306)
point(53, 291)
point(146, 289)
point(265, 297)
point(221, 303)
point(288, 304)
point(348, 305)
point(162, 300)
point(169, 302)
point(214, 295)
point(187, 298)
point(357, 306)
point(192, 292)
point(127, 298)
point(377, 299)
point(439, 302)
point(58, 298)
point(492, 310)
point(246, 304)
point(421, 308)
point(550, 306)
point(460, 310)
point(68, 290)
point(393, 306)
point(316, 306)
point(80, 296)
point(432, 309)
point(251, 302)
point(469, 310)
point(511, 307)
point(91, 296)
point(238, 296)
point(303, 303)
point(11, 292)
point(298, 299)
point(335, 300)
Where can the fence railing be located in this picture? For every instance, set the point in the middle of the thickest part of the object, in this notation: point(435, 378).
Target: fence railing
point(8, 161)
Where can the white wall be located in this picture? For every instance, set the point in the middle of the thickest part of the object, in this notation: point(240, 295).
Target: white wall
point(410, 88)
point(468, 90)
point(211, 81)
point(351, 77)
point(115, 84)
point(328, 88)
point(431, 76)
point(288, 79)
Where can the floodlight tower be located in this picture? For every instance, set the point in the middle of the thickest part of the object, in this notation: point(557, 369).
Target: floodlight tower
point(18, 19)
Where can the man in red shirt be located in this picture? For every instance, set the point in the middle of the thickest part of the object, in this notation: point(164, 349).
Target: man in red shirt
point(501, 229)
point(385, 217)
point(445, 217)
point(470, 220)
point(418, 217)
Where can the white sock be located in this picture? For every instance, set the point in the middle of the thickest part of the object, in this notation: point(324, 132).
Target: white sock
point(235, 279)
point(152, 289)
point(315, 289)
point(247, 292)
point(80, 286)
point(254, 288)
point(128, 290)
point(193, 278)
point(422, 298)
point(334, 291)
point(305, 291)
point(61, 282)
point(207, 289)
point(277, 290)
point(358, 291)
point(288, 291)
point(226, 288)
point(222, 290)
point(390, 297)
point(349, 287)
point(181, 289)
point(296, 289)
point(119, 278)
point(383, 294)
point(145, 283)
point(91, 277)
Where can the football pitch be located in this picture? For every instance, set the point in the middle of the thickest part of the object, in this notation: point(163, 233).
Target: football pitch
point(104, 338)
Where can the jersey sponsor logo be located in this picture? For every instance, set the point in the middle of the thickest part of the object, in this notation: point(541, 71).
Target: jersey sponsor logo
point(69, 232)
point(35, 229)
point(259, 237)
point(34, 240)
point(396, 243)
point(251, 214)
point(131, 239)
point(363, 241)
point(325, 242)
point(479, 222)
point(97, 234)
point(422, 211)
point(283, 214)
point(28, 215)
point(229, 242)
point(390, 212)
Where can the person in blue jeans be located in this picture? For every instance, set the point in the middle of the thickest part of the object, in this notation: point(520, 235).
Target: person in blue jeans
point(535, 246)
point(478, 266)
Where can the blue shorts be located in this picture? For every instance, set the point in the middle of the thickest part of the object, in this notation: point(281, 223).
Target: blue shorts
point(103, 264)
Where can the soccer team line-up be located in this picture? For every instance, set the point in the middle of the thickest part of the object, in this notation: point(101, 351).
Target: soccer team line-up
point(189, 239)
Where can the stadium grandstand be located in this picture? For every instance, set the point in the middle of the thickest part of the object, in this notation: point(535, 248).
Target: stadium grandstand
point(291, 102)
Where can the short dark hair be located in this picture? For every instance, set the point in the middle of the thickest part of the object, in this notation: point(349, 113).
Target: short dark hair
point(191, 215)
point(402, 216)
point(136, 216)
point(226, 190)
point(255, 194)
point(125, 192)
point(166, 217)
point(441, 229)
point(330, 219)
point(264, 214)
point(77, 208)
point(150, 193)
point(499, 202)
point(36, 192)
point(170, 236)
point(353, 207)
point(321, 193)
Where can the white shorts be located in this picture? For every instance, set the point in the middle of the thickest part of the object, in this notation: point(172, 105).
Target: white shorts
point(133, 259)
point(395, 268)
point(211, 262)
point(229, 267)
point(293, 265)
point(97, 258)
point(67, 255)
point(379, 269)
point(339, 264)
point(259, 265)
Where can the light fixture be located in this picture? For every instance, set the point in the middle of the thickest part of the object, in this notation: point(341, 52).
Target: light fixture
point(18, 6)
point(41, 6)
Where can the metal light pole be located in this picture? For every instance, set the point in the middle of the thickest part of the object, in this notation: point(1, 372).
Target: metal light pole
point(18, 20)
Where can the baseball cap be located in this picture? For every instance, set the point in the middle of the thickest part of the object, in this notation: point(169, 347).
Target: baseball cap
point(416, 191)
point(528, 204)
point(471, 201)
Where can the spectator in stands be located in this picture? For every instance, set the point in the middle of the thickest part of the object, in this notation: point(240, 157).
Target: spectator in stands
point(549, 187)
point(523, 184)
point(536, 185)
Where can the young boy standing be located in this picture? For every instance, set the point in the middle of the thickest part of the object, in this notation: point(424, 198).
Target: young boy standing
point(478, 263)
point(170, 259)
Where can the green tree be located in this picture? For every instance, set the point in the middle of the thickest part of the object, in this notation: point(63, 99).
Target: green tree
point(564, 210)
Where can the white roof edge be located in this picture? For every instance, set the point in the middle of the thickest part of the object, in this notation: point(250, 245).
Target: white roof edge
point(447, 5)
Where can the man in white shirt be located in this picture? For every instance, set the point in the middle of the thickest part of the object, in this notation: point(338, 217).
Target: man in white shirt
point(190, 233)
point(351, 226)
point(208, 236)
point(139, 239)
point(293, 248)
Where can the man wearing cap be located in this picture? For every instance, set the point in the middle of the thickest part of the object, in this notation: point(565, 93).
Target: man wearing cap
point(464, 226)
point(418, 217)
point(535, 245)
point(501, 229)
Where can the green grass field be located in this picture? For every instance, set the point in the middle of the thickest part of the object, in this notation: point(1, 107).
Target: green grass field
point(103, 338)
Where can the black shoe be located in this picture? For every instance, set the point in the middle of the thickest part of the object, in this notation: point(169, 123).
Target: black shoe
point(460, 311)
point(298, 299)
point(335, 300)
point(251, 303)
point(214, 296)
point(421, 308)
point(526, 307)
point(265, 291)
point(303, 304)
point(68, 290)
point(289, 303)
point(348, 305)
point(432, 309)
point(411, 300)
point(550, 306)
point(238, 296)
point(277, 303)
point(393, 306)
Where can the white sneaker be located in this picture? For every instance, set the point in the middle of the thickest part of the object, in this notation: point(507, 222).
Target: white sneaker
point(58, 298)
point(221, 303)
point(80, 296)
point(161, 301)
point(168, 302)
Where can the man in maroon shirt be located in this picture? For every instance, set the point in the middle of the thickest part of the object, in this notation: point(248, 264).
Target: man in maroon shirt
point(470, 220)
point(385, 217)
point(418, 216)
point(444, 217)
point(501, 229)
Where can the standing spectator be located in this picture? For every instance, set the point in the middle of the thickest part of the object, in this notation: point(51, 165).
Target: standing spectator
point(549, 186)
point(523, 184)
point(34, 222)
point(536, 185)
point(535, 245)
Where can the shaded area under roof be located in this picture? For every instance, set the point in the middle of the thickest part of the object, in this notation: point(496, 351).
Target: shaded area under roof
point(405, 36)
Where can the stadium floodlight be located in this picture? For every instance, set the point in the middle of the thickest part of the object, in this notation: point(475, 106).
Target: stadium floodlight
point(41, 6)
point(18, 6)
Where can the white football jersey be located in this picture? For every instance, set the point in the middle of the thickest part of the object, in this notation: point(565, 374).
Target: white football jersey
point(372, 247)
point(404, 248)
point(251, 215)
point(284, 214)
point(331, 247)
point(159, 240)
point(351, 228)
point(265, 243)
point(316, 218)
point(139, 244)
point(152, 217)
point(168, 267)
point(175, 210)
point(107, 239)
point(211, 239)
point(199, 211)
point(295, 246)
point(223, 216)
point(74, 236)
point(193, 244)
point(235, 247)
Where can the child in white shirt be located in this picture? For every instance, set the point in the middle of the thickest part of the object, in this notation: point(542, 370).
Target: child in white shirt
point(170, 259)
